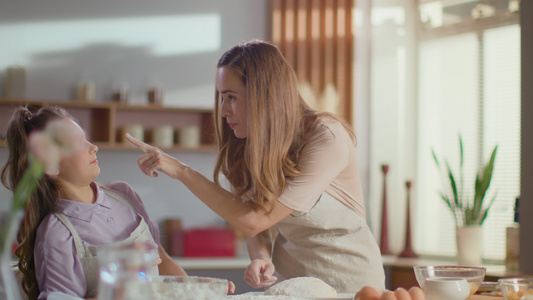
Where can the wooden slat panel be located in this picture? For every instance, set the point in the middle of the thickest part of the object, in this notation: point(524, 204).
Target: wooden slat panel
point(335, 43)
point(302, 65)
point(346, 104)
point(322, 50)
point(290, 32)
point(316, 38)
point(309, 41)
point(275, 27)
point(315, 50)
point(329, 24)
point(283, 36)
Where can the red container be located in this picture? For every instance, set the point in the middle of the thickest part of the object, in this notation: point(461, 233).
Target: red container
point(209, 242)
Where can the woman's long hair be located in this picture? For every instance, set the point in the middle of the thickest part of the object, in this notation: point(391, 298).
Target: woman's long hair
point(260, 165)
point(24, 121)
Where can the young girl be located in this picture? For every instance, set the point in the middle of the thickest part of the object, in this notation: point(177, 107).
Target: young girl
point(70, 217)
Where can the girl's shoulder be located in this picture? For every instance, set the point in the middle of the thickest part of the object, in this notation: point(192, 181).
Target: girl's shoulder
point(51, 232)
point(117, 186)
point(124, 190)
point(121, 188)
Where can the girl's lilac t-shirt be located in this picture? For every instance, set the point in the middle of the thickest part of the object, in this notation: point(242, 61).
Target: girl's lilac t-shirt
point(108, 220)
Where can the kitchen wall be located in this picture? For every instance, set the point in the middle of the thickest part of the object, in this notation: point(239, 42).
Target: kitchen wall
point(171, 43)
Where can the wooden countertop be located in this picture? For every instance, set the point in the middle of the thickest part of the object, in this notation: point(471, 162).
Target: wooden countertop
point(204, 263)
point(494, 271)
point(480, 297)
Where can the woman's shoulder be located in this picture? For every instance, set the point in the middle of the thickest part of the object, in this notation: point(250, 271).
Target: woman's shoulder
point(329, 129)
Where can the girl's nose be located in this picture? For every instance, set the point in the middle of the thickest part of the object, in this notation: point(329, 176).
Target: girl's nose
point(94, 148)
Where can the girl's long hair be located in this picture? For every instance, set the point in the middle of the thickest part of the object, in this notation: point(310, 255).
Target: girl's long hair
point(24, 121)
point(260, 165)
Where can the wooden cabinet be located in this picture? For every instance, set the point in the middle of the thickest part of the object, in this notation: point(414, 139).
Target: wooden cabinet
point(103, 122)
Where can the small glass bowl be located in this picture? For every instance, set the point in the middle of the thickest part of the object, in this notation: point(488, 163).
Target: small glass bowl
point(516, 288)
point(473, 275)
point(446, 288)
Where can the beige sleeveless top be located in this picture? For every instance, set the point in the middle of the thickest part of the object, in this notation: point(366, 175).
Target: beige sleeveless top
point(331, 242)
point(88, 254)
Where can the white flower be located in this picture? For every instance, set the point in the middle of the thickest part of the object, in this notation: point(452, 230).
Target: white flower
point(56, 141)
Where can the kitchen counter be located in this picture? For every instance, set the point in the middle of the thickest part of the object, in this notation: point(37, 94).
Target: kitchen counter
point(399, 271)
point(203, 263)
point(212, 263)
point(493, 270)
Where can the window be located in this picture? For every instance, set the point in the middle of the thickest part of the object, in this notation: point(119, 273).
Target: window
point(469, 85)
point(459, 70)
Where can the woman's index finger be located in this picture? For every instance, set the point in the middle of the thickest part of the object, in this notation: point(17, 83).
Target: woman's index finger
point(138, 143)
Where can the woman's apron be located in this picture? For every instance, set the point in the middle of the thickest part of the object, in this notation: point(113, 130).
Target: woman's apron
point(88, 254)
point(331, 242)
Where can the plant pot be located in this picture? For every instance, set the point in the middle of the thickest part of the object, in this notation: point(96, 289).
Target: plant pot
point(469, 245)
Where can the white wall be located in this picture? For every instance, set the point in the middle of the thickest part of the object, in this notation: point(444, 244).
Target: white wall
point(174, 42)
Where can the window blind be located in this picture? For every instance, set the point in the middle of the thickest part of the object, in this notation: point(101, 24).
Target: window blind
point(470, 85)
point(467, 82)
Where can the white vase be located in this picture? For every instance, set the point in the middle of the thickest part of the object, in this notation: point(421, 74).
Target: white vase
point(469, 245)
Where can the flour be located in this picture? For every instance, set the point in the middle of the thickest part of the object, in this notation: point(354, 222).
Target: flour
point(306, 287)
point(261, 297)
point(186, 290)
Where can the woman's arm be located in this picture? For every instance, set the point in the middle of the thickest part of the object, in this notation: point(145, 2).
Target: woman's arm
point(260, 246)
point(260, 271)
point(221, 201)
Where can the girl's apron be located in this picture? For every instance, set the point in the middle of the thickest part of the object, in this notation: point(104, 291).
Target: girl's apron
point(88, 254)
point(331, 242)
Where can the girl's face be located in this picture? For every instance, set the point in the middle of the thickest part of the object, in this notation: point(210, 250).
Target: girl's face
point(234, 103)
point(81, 166)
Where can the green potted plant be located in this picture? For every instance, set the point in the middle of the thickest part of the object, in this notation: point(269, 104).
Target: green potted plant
point(469, 213)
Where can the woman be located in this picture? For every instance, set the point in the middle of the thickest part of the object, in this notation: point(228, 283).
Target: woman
point(290, 168)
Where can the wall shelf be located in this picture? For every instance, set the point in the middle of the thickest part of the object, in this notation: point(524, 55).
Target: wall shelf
point(103, 122)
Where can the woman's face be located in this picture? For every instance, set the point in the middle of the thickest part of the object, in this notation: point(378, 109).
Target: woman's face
point(81, 166)
point(234, 103)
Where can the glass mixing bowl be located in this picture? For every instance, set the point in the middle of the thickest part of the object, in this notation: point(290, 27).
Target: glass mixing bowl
point(188, 288)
